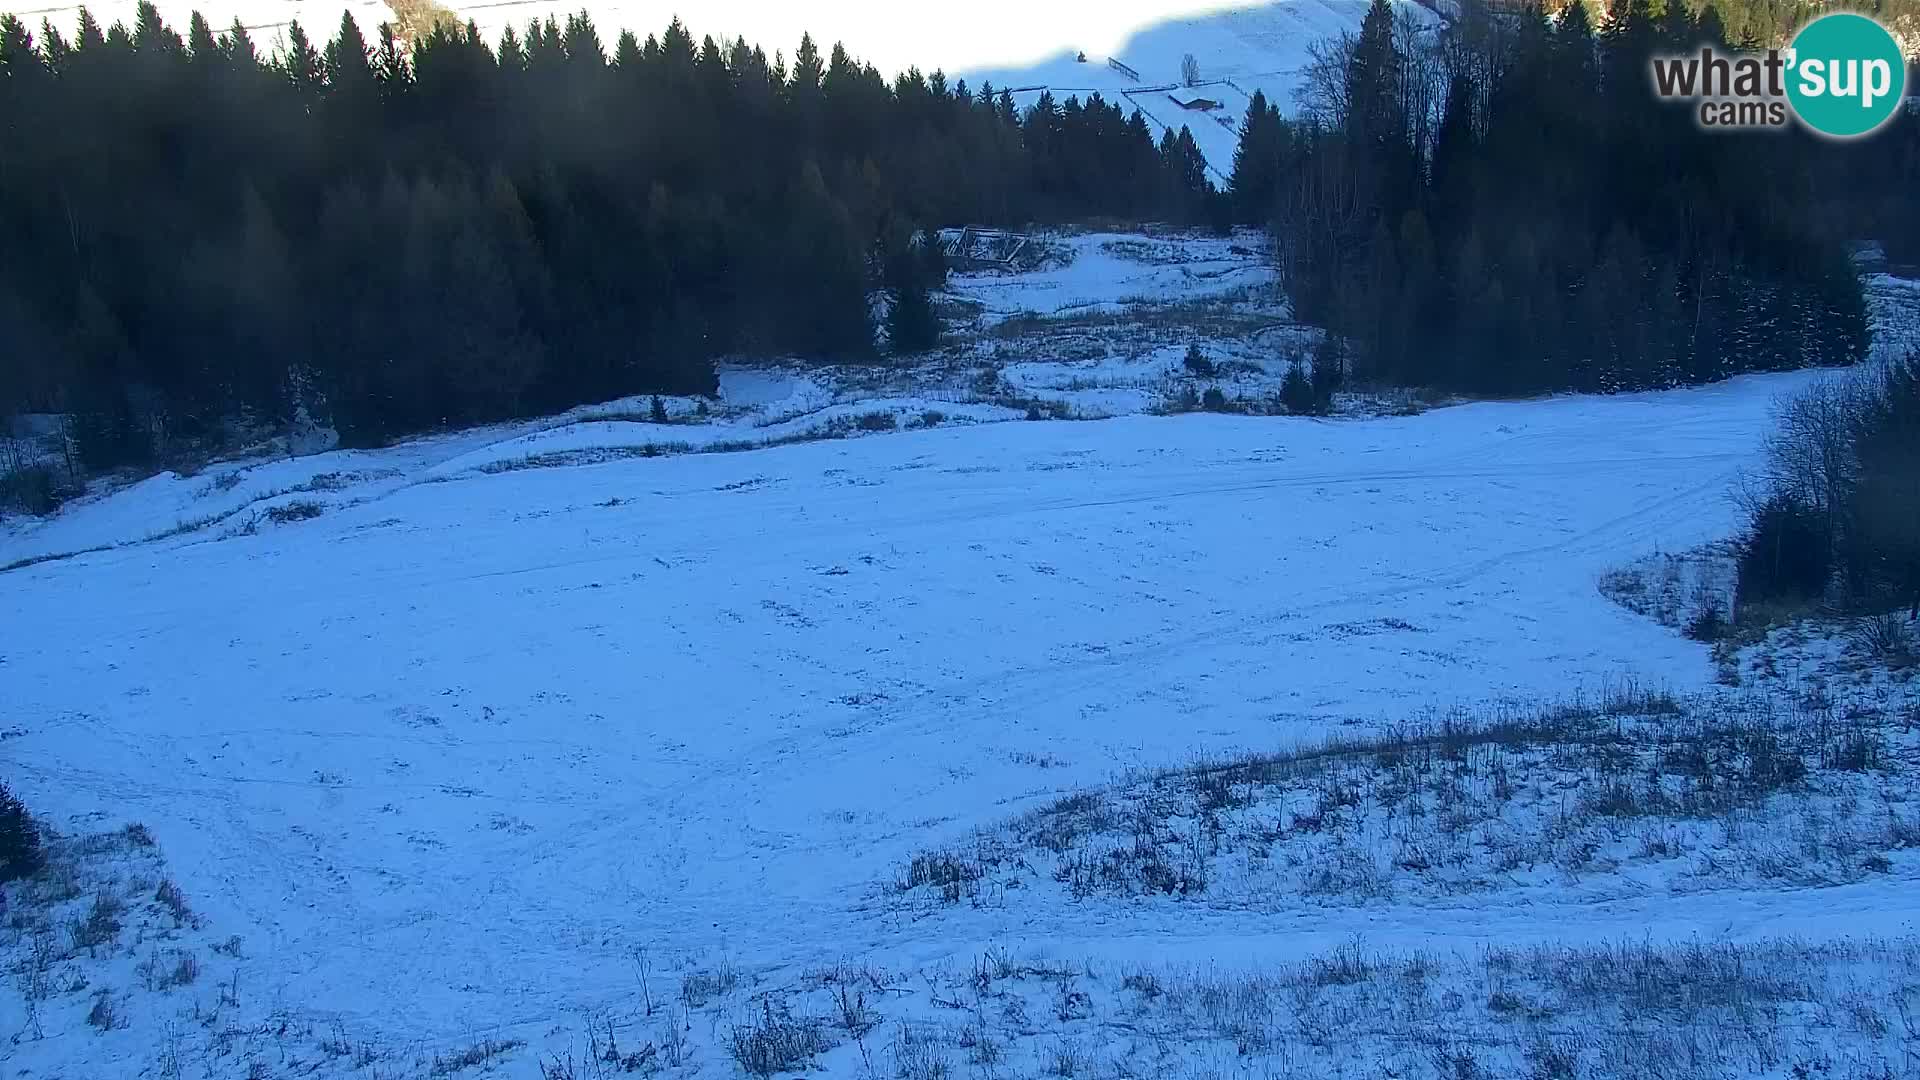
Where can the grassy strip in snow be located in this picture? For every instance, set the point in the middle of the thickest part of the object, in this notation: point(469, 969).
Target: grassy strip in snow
point(1689, 591)
point(1632, 1009)
point(1689, 1011)
point(1637, 792)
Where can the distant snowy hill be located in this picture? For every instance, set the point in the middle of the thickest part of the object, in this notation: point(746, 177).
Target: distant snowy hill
point(1133, 48)
point(1239, 50)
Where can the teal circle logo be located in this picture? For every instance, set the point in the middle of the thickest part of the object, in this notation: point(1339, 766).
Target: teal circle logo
point(1847, 75)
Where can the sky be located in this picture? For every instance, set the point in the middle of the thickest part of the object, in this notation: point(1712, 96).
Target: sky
point(955, 36)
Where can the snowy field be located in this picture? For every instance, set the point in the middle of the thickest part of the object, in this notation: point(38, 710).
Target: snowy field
point(1109, 272)
point(486, 758)
point(848, 724)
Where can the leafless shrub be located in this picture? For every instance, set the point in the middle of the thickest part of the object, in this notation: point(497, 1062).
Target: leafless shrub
point(170, 897)
point(982, 1048)
point(1810, 453)
point(673, 1038)
point(100, 926)
point(104, 1016)
point(1068, 1059)
point(1186, 399)
point(167, 1063)
point(335, 1043)
point(1344, 966)
point(697, 988)
point(604, 1054)
point(953, 873)
point(1143, 982)
point(1706, 623)
point(169, 968)
point(775, 1041)
point(1887, 638)
point(297, 510)
point(855, 1014)
point(472, 1056)
point(1553, 1058)
point(919, 1053)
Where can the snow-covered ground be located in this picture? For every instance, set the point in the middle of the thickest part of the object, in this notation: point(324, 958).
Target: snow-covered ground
point(562, 742)
point(480, 754)
point(1107, 272)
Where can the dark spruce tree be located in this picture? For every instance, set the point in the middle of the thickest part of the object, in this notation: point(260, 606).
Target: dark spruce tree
point(20, 849)
point(912, 326)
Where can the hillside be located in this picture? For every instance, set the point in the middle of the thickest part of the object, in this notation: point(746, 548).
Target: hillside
point(849, 723)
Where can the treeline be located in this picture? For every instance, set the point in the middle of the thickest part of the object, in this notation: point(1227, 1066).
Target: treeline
point(203, 238)
point(1762, 24)
point(1835, 516)
point(1503, 206)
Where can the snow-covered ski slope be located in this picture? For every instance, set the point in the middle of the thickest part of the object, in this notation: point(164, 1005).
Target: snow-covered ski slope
point(445, 758)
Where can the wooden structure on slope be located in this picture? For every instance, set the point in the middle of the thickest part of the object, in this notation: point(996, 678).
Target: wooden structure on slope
point(985, 249)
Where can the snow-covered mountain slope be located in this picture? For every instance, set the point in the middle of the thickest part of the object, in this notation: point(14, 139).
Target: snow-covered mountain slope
point(448, 760)
point(1238, 49)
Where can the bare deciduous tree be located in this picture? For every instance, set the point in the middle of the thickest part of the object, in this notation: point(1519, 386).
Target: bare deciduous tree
point(1423, 79)
point(415, 19)
point(1883, 515)
point(1810, 455)
point(1323, 91)
point(1845, 453)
